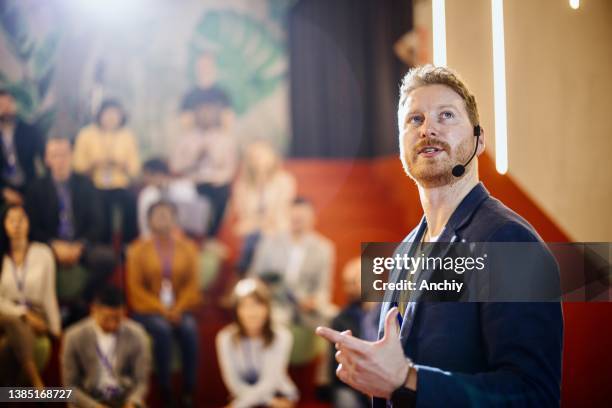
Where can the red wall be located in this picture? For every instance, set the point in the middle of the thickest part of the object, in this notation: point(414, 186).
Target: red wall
point(361, 200)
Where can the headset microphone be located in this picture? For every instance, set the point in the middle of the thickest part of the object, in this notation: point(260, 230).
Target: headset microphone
point(459, 169)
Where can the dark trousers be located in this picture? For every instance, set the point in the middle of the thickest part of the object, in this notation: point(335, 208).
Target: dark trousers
point(163, 333)
point(218, 197)
point(16, 346)
point(122, 199)
point(99, 262)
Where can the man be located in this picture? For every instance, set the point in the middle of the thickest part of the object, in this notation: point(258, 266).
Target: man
point(162, 285)
point(361, 318)
point(454, 354)
point(106, 358)
point(208, 154)
point(193, 212)
point(21, 145)
point(65, 213)
point(298, 265)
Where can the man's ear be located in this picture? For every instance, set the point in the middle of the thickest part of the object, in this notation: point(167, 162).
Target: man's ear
point(481, 143)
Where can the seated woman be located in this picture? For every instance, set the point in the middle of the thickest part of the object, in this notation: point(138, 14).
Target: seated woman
point(261, 199)
point(28, 304)
point(252, 354)
point(163, 290)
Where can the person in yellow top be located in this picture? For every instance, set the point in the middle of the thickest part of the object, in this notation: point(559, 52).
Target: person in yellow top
point(106, 151)
point(163, 291)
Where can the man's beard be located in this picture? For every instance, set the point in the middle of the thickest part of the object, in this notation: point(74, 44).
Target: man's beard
point(436, 172)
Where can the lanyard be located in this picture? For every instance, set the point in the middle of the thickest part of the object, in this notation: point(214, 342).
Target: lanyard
point(166, 258)
point(105, 360)
point(20, 281)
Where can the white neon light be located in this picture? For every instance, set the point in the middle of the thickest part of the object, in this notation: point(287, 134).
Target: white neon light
point(499, 87)
point(575, 4)
point(439, 33)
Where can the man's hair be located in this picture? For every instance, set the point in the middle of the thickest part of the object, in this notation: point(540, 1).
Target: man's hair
point(110, 296)
point(162, 203)
point(429, 75)
point(52, 139)
point(156, 165)
point(300, 200)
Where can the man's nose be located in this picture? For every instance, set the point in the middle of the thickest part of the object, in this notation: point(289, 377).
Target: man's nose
point(428, 128)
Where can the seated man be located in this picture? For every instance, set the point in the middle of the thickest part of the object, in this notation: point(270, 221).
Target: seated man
point(361, 318)
point(162, 284)
point(21, 147)
point(297, 265)
point(65, 213)
point(106, 357)
point(193, 211)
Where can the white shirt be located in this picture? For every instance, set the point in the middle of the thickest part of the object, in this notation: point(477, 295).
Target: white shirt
point(107, 345)
point(38, 275)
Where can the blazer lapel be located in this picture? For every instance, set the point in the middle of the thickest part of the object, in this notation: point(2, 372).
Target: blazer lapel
point(391, 298)
point(460, 217)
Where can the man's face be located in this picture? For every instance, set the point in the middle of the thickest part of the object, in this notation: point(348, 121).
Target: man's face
point(162, 219)
point(58, 157)
point(8, 109)
point(435, 134)
point(351, 279)
point(108, 318)
point(301, 218)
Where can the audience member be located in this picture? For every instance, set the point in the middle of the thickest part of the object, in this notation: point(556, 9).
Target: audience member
point(107, 151)
point(261, 199)
point(205, 75)
point(253, 353)
point(65, 213)
point(208, 154)
point(361, 318)
point(22, 145)
point(193, 211)
point(106, 357)
point(298, 266)
point(162, 291)
point(28, 305)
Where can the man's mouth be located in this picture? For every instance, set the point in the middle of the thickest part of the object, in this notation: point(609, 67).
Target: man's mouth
point(430, 151)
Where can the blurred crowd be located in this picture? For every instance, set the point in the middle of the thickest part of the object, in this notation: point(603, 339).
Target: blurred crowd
point(75, 211)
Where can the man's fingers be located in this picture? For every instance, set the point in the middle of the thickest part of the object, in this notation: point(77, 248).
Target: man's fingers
point(346, 333)
point(343, 339)
point(391, 324)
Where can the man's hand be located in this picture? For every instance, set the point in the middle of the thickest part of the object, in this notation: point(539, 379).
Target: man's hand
point(67, 253)
point(12, 197)
point(308, 304)
point(36, 323)
point(174, 316)
point(278, 402)
point(374, 368)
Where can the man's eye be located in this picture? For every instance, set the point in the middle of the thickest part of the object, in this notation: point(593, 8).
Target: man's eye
point(415, 120)
point(447, 115)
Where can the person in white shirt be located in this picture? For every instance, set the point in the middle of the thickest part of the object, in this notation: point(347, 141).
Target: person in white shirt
point(106, 357)
point(208, 154)
point(29, 312)
point(254, 354)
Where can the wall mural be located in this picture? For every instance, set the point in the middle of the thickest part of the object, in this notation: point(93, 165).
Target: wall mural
point(62, 57)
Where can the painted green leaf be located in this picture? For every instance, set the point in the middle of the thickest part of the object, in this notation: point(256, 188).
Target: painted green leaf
point(250, 59)
point(15, 28)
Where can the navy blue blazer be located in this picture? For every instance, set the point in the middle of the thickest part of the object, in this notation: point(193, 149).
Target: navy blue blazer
point(482, 354)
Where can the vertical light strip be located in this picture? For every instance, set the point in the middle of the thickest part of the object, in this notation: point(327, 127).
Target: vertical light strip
point(575, 4)
point(499, 87)
point(439, 33)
